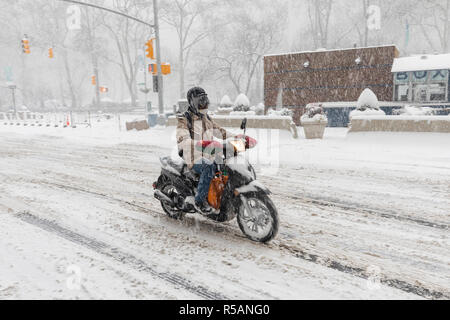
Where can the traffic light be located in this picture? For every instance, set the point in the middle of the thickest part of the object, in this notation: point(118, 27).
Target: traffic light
point(50, 53)
point(165, 68)
point(152, 68)
point(26, 46)
point(149, 49)
point(155, 84)
point(93, 80)
point(103, 89)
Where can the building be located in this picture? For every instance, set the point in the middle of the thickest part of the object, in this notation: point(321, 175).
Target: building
point(422, 79)
point(294, 80)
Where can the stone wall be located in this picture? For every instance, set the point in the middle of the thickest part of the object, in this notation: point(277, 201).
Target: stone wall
point(401, 124)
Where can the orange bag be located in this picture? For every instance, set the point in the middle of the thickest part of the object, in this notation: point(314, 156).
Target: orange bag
point(216, 190)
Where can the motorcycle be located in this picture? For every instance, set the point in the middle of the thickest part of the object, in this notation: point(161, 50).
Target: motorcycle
point(234, 192)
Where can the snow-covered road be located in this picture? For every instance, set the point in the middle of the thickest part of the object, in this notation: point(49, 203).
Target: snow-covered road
point(358, 221)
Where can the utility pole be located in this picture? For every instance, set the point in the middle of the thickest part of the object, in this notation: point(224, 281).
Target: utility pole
point(145, 85)
point(13, 89)
point(158, 60)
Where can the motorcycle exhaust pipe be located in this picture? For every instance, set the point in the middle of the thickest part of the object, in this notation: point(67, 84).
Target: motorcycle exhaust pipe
point(162, 197)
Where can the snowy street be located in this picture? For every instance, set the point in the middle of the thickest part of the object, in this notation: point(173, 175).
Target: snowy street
point(362, 217)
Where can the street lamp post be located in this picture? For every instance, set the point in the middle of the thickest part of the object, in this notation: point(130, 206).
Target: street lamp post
point(13, 89)
point(158, 61)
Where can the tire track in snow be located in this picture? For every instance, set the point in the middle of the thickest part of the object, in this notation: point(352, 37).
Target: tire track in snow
point(118, 255)
point(299, 253)
point(387, 214)
point(319, 201)
point(355, 271)
point(362, 273)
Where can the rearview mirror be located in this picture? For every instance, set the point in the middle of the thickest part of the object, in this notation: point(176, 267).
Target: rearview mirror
point(244, 124)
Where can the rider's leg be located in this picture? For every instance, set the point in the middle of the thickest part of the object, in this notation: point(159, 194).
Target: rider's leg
point(206, 169)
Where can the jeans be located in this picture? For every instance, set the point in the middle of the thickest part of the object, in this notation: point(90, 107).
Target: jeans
point(206, 169)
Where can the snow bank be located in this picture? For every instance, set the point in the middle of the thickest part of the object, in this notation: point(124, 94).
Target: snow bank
point(224, 110)
point(366, 113)
point(408, 110)
point(316, 118)
point(243, 113)
point(422, 63)
point(283, 112)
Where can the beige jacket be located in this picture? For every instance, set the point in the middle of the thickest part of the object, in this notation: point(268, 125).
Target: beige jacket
point(204, 129)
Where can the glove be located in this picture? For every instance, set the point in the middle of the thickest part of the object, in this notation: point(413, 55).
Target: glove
point(208, 146)
point(249, 141)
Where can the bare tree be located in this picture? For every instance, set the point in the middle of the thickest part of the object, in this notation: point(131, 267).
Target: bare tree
point(240, 49)
point(188, 18)
point(438, 21)
point(92, 44)
point(319, 12)
point(51, 31)
point(129, 37)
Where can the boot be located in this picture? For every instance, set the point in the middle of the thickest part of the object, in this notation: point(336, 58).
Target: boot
point(204, 208)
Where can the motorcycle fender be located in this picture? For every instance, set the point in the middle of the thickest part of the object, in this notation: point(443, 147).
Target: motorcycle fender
point(176, 181)
point(168, 176)
point(252, 187)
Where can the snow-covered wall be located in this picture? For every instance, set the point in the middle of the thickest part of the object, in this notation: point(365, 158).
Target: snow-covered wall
point(401, 124)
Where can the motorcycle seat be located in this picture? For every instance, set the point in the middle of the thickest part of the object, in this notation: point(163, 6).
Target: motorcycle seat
point(191, 174)
point(177, 164)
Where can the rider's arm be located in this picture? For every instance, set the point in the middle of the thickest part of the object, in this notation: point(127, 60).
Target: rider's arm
point(220, 132)
point(184, 140)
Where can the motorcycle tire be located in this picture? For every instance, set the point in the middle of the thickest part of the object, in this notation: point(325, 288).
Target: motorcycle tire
point(271, 214)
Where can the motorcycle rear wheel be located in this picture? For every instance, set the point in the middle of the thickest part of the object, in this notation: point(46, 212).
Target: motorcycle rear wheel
point(258, 217)
point(169, 190)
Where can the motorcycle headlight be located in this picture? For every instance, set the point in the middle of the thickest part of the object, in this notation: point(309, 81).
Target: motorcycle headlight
point(238, 145)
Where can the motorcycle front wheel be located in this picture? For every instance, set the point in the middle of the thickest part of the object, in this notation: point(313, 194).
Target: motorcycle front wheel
point(258, 217)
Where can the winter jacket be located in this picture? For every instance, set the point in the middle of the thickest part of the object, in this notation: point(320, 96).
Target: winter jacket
point(204, 128)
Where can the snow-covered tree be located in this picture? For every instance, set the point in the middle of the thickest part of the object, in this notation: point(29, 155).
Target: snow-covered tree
point(242, 103)
point(226, 102)
point(367, 104)
point(259, 109)
point(367, 100)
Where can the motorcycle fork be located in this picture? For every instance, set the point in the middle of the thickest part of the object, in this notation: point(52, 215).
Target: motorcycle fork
point(244, 203)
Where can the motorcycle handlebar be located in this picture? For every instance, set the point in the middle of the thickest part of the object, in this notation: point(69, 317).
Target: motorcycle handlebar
point(229, 150)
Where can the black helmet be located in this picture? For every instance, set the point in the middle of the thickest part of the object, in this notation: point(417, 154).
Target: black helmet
point(198, 99)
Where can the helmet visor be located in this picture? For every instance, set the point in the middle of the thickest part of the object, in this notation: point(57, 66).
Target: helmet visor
point(202, 102)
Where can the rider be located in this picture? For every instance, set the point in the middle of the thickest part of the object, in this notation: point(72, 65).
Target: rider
point(195, 138)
